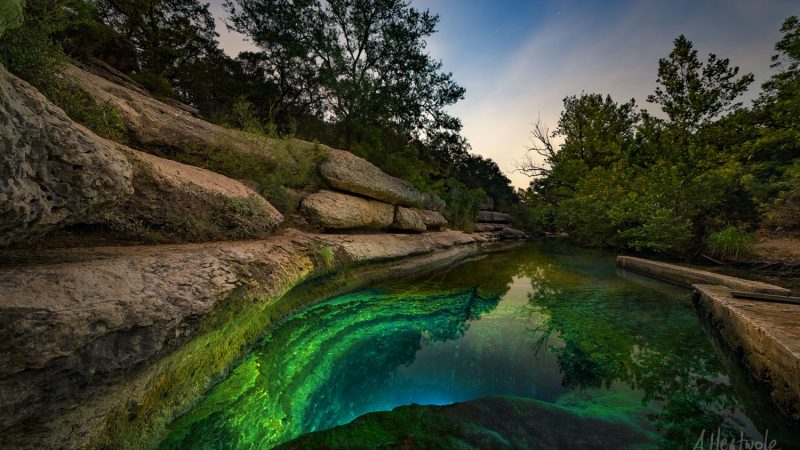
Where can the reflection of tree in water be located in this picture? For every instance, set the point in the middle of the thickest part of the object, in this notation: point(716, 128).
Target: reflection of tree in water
point(618, 333)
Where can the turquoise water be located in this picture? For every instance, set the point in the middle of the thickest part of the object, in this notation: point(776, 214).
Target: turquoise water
point(546, 321)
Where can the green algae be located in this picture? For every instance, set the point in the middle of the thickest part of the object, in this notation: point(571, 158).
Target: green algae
point(545, 321)
point(491, 423)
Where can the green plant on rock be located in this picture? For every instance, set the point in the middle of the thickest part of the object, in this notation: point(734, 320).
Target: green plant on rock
point(730, 243)
point(132, 228)
point(241, 218)
point(324, 254)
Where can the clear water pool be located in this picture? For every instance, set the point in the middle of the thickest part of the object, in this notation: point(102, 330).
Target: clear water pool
point(546, 320)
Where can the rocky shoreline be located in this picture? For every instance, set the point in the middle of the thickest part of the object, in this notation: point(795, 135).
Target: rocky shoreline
point(103, 346)
point(111, 346)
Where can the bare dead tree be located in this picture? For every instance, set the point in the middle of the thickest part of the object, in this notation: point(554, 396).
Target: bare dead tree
point(540, 156)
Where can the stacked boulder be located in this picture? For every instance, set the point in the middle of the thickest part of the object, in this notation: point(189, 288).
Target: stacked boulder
point(496, 226)
point(368, 198)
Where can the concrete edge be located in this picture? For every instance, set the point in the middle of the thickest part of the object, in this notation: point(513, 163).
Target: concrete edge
point(753, 330)
point(688, 277)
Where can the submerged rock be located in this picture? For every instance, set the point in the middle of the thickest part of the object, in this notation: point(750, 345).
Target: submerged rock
point(408, 219)
point(330, 209)
point(53, 172)
point(346, 171)
point(486, 423)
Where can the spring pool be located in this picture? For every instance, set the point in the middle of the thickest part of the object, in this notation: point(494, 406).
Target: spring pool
point(547, 321)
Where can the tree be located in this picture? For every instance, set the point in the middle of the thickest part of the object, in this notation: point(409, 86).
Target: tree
point(597, 131)
point(365, 58)
point(168, 35)
point(691, 93)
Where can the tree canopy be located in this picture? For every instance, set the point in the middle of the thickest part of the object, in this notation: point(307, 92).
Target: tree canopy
point(697, 181)
point(363, 60)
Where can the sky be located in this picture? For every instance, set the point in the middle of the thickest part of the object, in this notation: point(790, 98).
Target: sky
point(519, 59)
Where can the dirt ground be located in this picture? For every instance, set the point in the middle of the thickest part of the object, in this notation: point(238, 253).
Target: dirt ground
point(784, 249)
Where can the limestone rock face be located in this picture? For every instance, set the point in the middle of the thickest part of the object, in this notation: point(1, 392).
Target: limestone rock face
point(341, 211)
point(493, 217)
point(89, 337)
point(433, 219)
point(433, 201)
point(483, 227)
point(53, 172)
point(346, 171)
point(166, 191)
point(512, 234)
point(408, 219)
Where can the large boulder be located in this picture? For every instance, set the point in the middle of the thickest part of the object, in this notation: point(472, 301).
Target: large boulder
point(493, 217)
point(53, 172)
point(347, 172)
point(433, 219)
point(408, 219)
point(173, 194)
point(330, 209)
point(512, 234)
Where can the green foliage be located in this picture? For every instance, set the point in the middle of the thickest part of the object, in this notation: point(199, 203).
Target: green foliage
point(103, 118)
point(627, 179)
point(692, 93)
point(363, 61)
point(167, 33)
point(274, 166)
point(32, 53)
point(156, 83)
point(11, 14)
point(730, 243)
point(325, 255)
point(240, 218)
point(243, 116)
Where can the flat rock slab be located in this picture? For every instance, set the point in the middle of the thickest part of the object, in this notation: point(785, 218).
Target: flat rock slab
point(766, 334)
point(348, 172)
point(335, 210)
point(686, 276)
point(493, 217)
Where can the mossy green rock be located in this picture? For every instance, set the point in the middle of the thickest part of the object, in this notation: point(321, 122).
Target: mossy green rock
point(491, 423)
point(10, 14)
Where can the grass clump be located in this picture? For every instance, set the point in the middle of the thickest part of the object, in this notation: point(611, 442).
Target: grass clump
point(730, 243)
point(274, 166)
point(241, 218)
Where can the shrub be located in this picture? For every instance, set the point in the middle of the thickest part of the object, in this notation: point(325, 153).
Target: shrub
point(241, 218)
point(730, 243)
point(31, 53)
point(155, 83)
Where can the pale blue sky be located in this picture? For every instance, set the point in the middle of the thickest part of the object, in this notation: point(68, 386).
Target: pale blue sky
point(519, 59)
